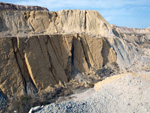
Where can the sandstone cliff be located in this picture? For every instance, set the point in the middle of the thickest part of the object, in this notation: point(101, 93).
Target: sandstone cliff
point(8, 6)
point(39, 49)
point(45, 22)
point(31, 64)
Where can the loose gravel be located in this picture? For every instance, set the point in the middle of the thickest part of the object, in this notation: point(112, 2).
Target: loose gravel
point(2, 102)
point(128, 94)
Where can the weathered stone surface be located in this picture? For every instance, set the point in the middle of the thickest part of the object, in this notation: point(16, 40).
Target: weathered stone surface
point(78, 21)
point(65, 21)
point(11, 80)
point(132, 30)
point(8, 6)
point(42, 48)
point(38, 20)
point(139, 37)
point(12, 23)
point(132, 48)
point(31, 64)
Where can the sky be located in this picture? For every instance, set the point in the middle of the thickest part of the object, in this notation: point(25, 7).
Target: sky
point(129, 13)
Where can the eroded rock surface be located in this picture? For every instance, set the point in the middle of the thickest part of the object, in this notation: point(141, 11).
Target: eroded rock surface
point(31, 64)
point(49, 47)
point(45, 22)
point(8, 6)
point(41, 50)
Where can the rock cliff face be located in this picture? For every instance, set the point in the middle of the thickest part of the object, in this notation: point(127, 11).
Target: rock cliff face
point(65, 21)
point(131, 30)
point(39, 49)
point(132, 48)
point(137, 36)
point(7, 6)
point(31, 64)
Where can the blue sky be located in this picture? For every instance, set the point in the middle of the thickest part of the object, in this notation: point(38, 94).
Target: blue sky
point(129, 13)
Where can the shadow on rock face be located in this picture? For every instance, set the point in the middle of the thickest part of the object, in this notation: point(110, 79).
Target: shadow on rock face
point(3, 26)
point(3, 104)
point(108, 71)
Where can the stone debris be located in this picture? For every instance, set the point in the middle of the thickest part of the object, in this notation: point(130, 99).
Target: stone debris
point(128, 93)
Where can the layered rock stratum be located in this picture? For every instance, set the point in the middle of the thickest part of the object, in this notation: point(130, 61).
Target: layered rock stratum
point(9, 6)
point(40, 49)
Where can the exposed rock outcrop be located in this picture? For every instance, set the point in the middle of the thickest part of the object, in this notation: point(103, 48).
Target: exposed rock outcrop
point(55, 57)
point(8, 6)
point(65, 21)
point(132, 30)
point(31, 64)
point(132, 48)
point(40, 49)
point(139, 37)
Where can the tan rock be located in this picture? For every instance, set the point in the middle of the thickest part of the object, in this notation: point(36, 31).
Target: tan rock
point(65, 21)
point(79, 21)
point(39, 20)
point(45, 60)
point(11, 81)
point(13, 23)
